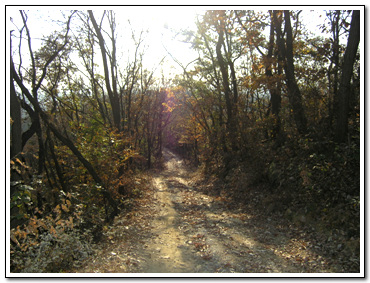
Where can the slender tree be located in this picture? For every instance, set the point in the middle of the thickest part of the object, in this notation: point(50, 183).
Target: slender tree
point(231, 96)
point(347, 70)
point(16, 123)
point(286, 51)
point(111, 89)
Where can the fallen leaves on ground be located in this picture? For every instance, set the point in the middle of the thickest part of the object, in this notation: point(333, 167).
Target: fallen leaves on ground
point(208, 232)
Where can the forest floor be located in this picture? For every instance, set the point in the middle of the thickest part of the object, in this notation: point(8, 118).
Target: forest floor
point(178, 226)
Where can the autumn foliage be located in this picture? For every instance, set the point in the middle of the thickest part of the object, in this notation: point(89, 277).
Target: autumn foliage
point(267, 106)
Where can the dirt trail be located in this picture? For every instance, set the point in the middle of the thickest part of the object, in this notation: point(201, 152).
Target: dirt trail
point(184, 230)
point(167, 252)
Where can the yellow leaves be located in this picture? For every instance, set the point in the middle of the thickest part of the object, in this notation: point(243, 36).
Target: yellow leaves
point(168, 108)
point(18, 165)
point(65, 208)
point(57, 209)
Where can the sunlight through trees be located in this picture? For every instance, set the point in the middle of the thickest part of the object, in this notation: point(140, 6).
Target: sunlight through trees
point(96, 95)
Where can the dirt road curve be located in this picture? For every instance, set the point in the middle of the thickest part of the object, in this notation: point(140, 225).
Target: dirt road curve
point(183, 230)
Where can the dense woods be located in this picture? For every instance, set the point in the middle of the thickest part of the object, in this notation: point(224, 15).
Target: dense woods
point(267, 106)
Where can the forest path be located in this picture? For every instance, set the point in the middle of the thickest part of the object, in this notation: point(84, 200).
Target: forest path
point(182, 229)
point(168, 250)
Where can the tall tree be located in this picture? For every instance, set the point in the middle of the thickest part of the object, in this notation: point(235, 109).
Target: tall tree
point(226, 66)
point(272, 62)
point(336, 26)
point(112, 75)
point(39, 71)
point(35, 85)
point(63, 138)
point(345, 83)
point(85, 44)
point(274, 85)
point(286, 49)
point(16, 123)
point(334, 17)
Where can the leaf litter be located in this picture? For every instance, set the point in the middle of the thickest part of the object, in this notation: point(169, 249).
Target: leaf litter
point(178, 226)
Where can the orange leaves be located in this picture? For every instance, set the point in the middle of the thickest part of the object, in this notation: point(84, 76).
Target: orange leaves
point(64, 208)
point(19, 162)
point(53, 231)
point(258, 67)
point(29, 235)
point(170, 102)
point(167, 106)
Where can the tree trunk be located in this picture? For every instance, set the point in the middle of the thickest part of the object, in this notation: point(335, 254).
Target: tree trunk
point(294, 94)
point(230, 123)
point(286, 52)
point(347, 70)
point(65, 140)
point(16, 126)
point(334, 83)
point(149, 156)
point(56, 163)
point(113, 95)
point(274, 87)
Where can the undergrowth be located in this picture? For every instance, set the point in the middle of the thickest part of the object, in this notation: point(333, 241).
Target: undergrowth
point(58, 239)
point(314, 185)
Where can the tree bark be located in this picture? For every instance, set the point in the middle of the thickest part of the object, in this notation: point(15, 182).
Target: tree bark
point(274, 87)
point(56, 163)
point(16, 127)
point(286, 52)
point(334, 83)
point(230, 123)
point(294, 93)
point(347, 71)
